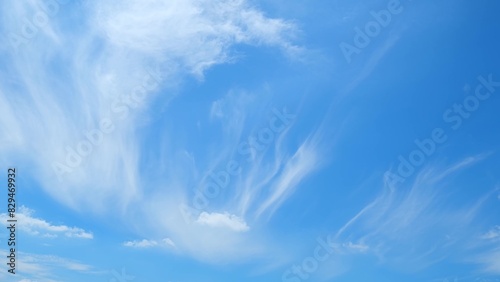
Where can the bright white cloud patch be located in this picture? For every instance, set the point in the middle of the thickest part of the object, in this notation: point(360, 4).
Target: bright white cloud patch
point(224, 220)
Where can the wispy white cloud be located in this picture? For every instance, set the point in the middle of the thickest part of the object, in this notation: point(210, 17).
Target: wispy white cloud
point(415, 223)
point(69, 85)
point(40, 227)
point(371, 64)
point(121, 48)
point(293, 170)
point(489, 261)
point(269, 172)
point(36, 267)
point(196, 33)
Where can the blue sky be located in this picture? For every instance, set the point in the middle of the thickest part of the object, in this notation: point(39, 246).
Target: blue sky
point(242, 140)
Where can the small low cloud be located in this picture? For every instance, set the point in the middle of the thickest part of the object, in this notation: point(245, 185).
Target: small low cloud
point(357, 248)
point(494, 233)
point(40, 227)
point(224, 220)
point(167, 242)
